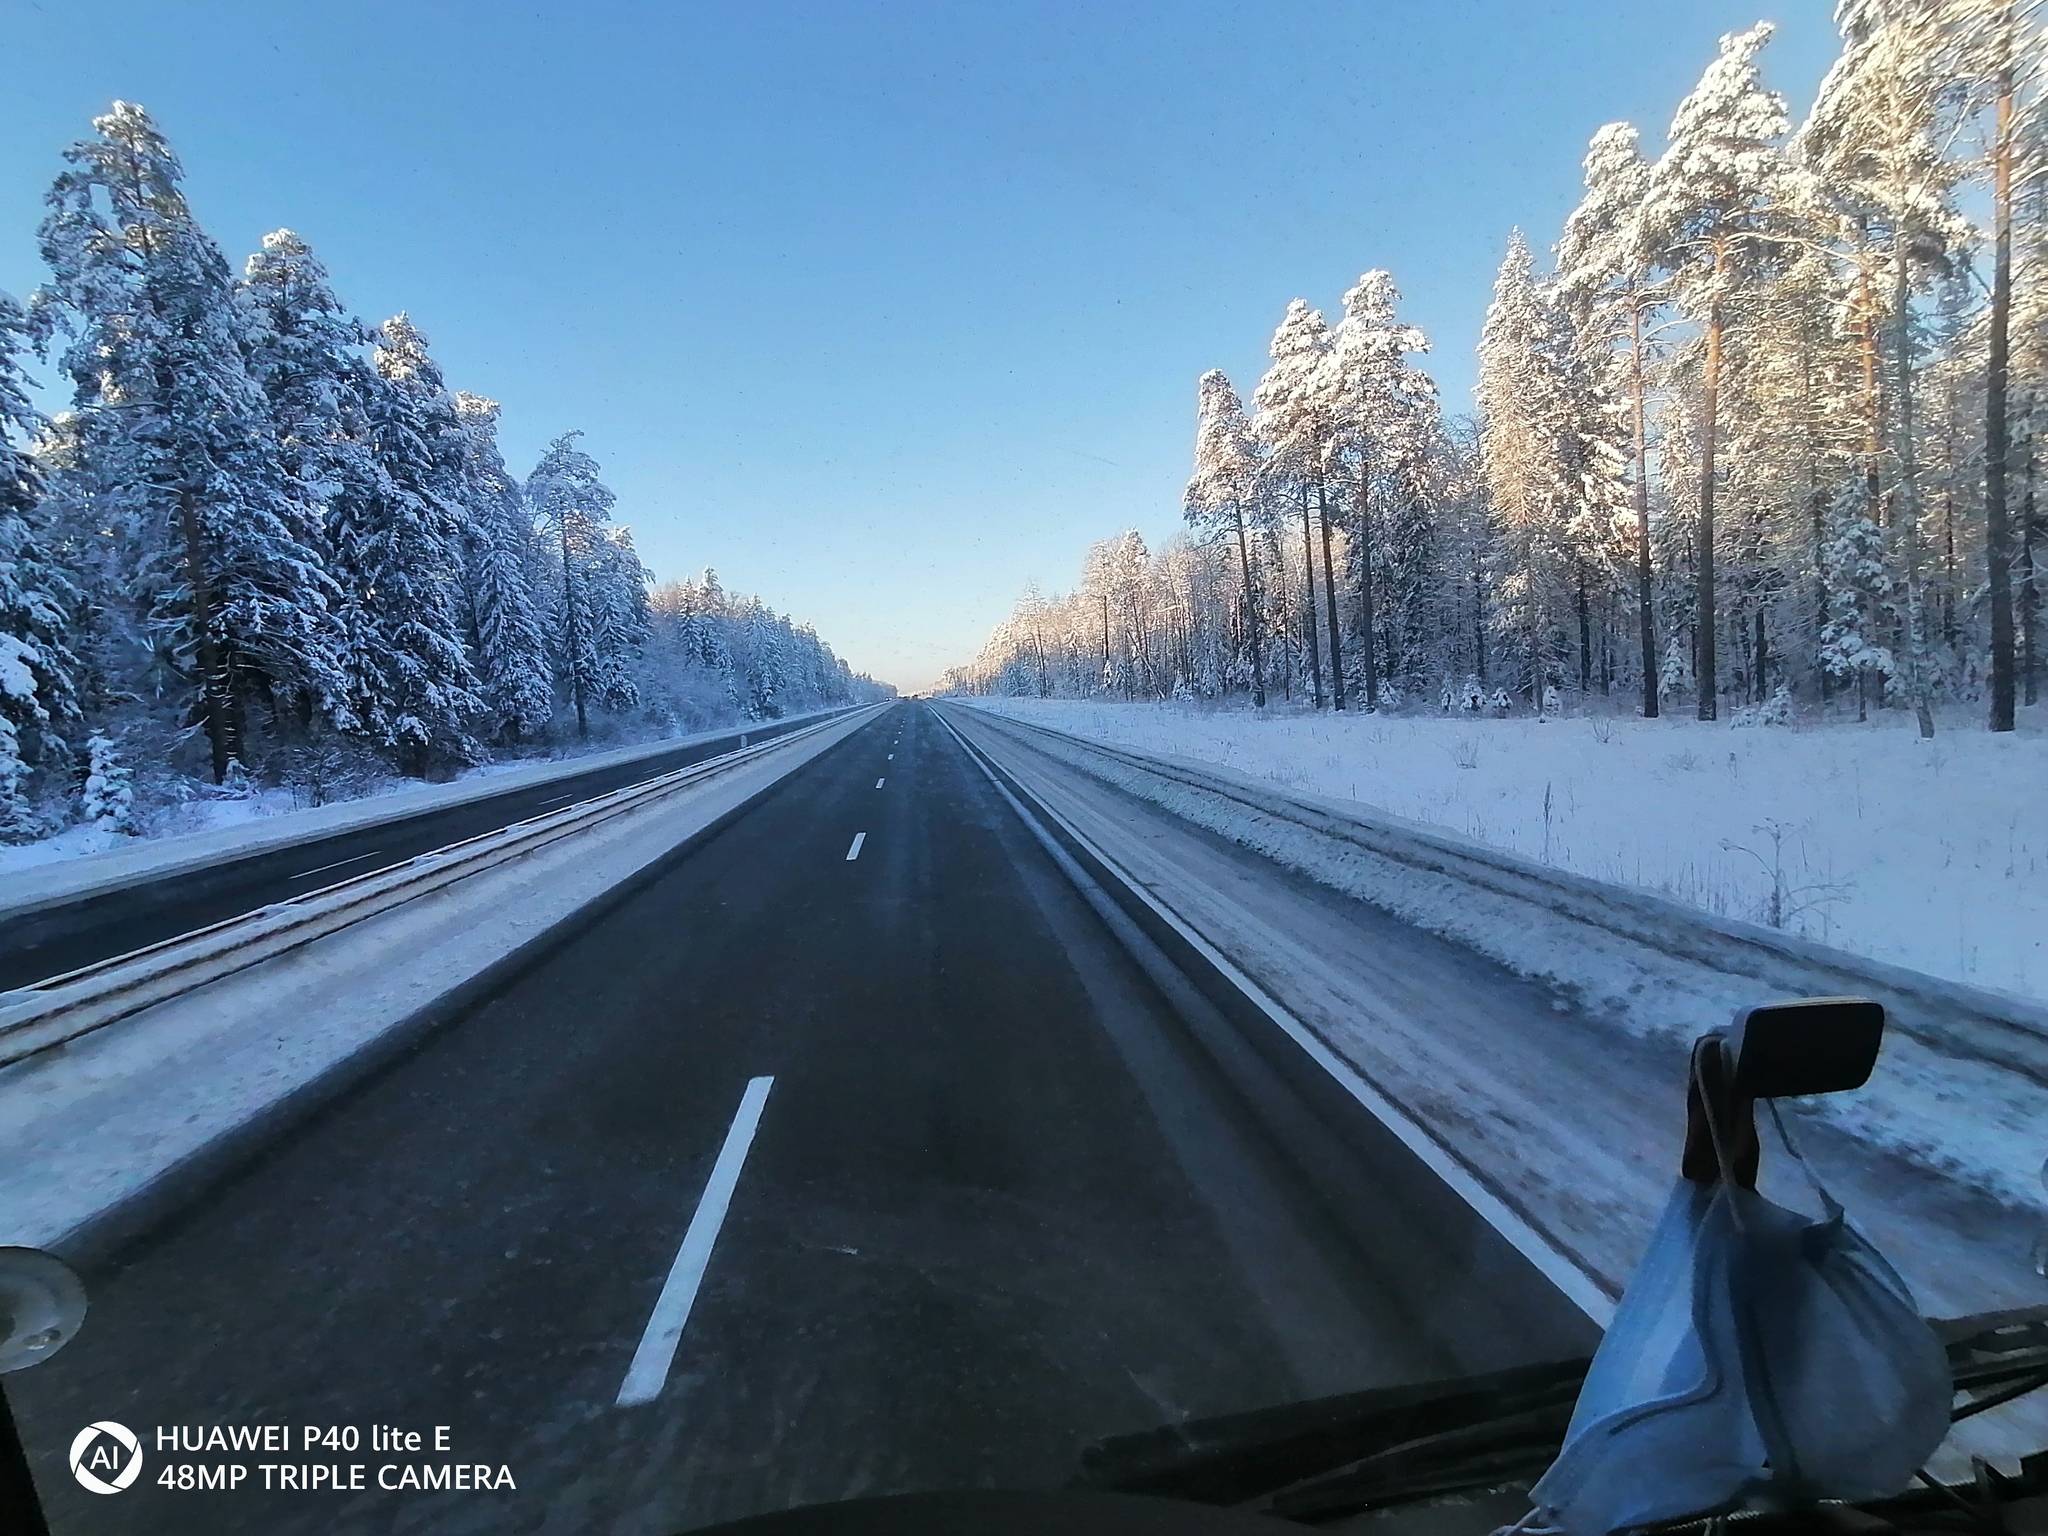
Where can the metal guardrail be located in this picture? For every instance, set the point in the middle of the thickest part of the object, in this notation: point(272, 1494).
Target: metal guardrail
point(62, 1008)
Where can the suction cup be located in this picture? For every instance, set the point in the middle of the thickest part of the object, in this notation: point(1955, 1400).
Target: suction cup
point(42, 1305)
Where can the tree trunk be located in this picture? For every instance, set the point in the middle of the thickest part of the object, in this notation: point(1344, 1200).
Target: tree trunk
point(1997, 535)
point(1479, 625)
point(1948, 576)
point(1330, 598)
point(1104, 688)
point(2030, 599)
point(1704, 620)
point(1308, 571)
point(1817, 500)
point(1909, 482)
point(1368, 639)
point(574, 637)
point(213, 681)
point(2030, 586)
point(1644, 574)
point(1585, 635)
point(1251, 611)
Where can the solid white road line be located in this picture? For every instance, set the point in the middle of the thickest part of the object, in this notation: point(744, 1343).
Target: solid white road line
point(878, 783)
point(648, 1373)
point(854, 852)
point(337, 864)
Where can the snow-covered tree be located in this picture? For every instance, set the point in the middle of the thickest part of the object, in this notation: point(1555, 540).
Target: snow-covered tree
point(1531, 450)
point(619, 620)
point(1994, 51)
point(37, 693)
point(1295, 421)
point(1876, 145)
point(1384, 415)
point(598, 585)
point(108, 801)
point(1220, 497)
point(397, 540)
point(507, 645)
point(171, 445)
point(306, 352)
point(1713, 211)
point(1604, 283)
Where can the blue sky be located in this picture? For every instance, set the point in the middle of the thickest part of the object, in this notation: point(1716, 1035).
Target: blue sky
point(880, 309)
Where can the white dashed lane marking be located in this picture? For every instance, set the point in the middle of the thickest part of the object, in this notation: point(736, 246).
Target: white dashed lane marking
point(648, 1373)
point(338, 864)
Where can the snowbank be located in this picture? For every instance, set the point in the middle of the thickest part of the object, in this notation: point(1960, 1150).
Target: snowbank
point(1932, 855)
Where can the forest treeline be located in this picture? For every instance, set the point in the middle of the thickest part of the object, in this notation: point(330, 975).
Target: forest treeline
point(267, 541)
point(1760, 434)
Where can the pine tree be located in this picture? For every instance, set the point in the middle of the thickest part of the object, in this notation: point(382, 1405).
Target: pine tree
point(1220, 493)
point(305, 351)
point(1993, 51)
point(1530, 449)
point(1874, 142)
point(109, 797)
point(591, 620)
point(1294, 421)
point(506, 639)
point(618, 617)
point(397, 542)
point(1604, 282)
point(1384, 414)
point(1712, 212)
point(38, 696)
point(172, 441)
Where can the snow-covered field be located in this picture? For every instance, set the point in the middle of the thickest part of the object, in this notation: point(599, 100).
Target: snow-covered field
point(1927, 854)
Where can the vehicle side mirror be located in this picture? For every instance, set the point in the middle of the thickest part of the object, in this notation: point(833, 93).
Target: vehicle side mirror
point(1814, 1045)
point(1774, 1051)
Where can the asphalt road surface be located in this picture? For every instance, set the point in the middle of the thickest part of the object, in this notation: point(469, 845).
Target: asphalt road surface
point(52, 940)
point(993, 1205)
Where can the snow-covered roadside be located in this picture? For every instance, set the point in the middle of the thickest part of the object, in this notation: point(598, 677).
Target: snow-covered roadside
point(1930, 855)
point(1957, 1114)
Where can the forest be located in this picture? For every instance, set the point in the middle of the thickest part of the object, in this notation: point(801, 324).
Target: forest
point(1758, 435)
point(267, 544)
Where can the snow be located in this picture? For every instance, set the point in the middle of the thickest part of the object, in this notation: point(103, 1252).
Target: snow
point(1932, 855)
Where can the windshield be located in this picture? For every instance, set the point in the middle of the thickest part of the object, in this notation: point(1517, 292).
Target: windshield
point(757, 756)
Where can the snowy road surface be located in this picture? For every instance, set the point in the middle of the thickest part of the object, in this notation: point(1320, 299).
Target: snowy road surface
point(999, 1203)
point(49, 940)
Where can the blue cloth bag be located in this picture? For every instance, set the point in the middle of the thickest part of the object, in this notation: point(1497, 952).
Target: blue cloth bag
point(1758, 1358)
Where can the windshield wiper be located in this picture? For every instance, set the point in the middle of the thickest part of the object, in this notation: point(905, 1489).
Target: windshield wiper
point(1335, 1456)
point(1240, 1457)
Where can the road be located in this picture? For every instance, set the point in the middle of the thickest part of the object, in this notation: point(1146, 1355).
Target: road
point(51, 940)
point(997, 1205)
